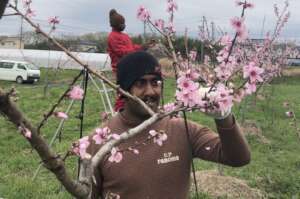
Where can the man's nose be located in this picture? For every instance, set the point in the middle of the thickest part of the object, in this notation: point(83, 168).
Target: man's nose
point(149, 89)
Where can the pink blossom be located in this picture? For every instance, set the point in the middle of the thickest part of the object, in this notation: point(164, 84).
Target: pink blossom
point(186, 93)
point(289, 114)
point(192, 74)
point(135, 151)
point(222, 55)
point(80, 147)
point(226, 40)
point(253, 72)
point(25, 132)
point(153, 133)
point(240, 28)
point(239, 95)
point(115, 136)
point(158, 137)
point(116, 156)
point(248, 5)
point(143, 14)
point(189, 99)
point(53, 21)
point(160, 24)
point(224, 98)
point(223, 73)
point(242, 34)
point(30, 13)
point(76, 93)
point(193, 55)
point(205, 92)
point(186, 84)
point(172, 6)
point(169, 107)
point(170, 28)
point(101, 134)
point(250, 88)
point(237, 23)
point(61, 115)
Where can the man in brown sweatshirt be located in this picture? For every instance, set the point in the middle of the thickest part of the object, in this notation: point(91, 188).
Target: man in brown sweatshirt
point(161, 169)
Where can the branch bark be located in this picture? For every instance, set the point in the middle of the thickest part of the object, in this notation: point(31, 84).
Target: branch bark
point(51, 160)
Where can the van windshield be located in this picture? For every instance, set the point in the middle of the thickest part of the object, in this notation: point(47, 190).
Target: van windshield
point(31, 67)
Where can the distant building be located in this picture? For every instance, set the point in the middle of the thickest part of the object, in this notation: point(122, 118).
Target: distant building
point(293, 62)
point(84, 46)
point(57, 59)
point(11, 42)
point(257, 41)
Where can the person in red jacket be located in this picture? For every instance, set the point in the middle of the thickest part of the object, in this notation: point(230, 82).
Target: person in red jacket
point(120, 44)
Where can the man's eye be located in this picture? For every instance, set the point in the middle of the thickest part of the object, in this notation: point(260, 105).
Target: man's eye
point(140, 83)
point(155, 82)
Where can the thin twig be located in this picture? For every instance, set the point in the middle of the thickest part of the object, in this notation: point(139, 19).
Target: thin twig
point(46, 116)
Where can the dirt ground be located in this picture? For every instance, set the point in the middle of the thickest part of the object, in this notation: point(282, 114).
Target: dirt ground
point(291, 72)
point(250, 128)
point(216, 186)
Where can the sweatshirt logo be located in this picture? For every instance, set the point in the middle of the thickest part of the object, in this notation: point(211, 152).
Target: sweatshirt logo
point(167, 158)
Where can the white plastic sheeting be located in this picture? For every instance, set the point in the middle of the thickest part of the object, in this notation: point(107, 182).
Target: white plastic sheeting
point(57, 59)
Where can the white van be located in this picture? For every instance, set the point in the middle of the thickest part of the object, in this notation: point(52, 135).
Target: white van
point(19, 71)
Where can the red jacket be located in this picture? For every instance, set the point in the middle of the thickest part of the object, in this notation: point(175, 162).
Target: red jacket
point(119, 44)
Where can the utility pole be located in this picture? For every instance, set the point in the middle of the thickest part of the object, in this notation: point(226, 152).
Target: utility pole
point(212, 31)
point(263, 27)
point(144, 35)
point(202, 42)
point(21, 33)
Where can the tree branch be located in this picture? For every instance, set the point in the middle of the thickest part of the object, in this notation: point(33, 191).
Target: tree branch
point(51, 160)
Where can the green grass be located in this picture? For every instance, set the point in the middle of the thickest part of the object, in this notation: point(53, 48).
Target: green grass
point(274, 168)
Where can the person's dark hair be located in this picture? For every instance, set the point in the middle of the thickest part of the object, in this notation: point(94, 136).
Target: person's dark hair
point(3, 4)
point(135, 65)
point(115, 19)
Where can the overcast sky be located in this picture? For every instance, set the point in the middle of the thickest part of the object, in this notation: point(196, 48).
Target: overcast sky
point(83, 16)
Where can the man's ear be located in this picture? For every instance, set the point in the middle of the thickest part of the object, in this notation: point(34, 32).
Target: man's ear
point(3, 4)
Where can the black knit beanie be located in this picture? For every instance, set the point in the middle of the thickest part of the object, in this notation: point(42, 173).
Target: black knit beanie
point(135, 65)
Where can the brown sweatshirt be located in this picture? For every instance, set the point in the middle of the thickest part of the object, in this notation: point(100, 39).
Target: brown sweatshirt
point(164, 171)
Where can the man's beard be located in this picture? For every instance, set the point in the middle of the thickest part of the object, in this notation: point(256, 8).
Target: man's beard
point(139, 111)
point(152, 102)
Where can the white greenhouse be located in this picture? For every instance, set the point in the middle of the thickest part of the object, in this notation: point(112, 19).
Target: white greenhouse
point(57, 59)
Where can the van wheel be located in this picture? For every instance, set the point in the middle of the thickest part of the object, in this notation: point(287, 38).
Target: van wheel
point(19, 80)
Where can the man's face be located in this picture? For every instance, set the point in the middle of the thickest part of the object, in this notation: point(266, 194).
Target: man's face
point(147, 88)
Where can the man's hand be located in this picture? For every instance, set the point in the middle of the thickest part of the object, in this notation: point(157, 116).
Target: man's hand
point(216, 114)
